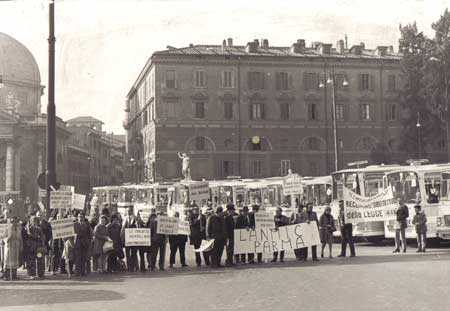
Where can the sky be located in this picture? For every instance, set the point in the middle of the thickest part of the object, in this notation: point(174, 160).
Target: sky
point(102, 45)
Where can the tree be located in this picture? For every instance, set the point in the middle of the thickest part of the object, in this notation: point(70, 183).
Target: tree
point(414, 96)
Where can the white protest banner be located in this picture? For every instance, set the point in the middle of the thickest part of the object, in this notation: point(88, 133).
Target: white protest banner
point(273, 240)
point(206, 246)
point(137, 237)
point(172, 226)
point(379, 207)
point(62, 228)
point(62, 198)
point(184, 227)
point(78, 201)
point(264, 220)
point(292, 185)
point(167, 225)
point(3, 229)
point(198, 191)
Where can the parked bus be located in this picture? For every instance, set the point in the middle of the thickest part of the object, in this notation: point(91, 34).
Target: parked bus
point(366, 182)
point(182, 195)
point(127, 198)
point(224, 192)
point(151, 196)
point(426, 185)
point(105, 196)
point(318, 191)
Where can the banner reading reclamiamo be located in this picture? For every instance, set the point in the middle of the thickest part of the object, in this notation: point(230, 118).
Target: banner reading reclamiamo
point(379, 207)
point(274, 240)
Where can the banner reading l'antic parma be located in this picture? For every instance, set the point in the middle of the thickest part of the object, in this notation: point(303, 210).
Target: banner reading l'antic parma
point(379, 207)
point(273, 240)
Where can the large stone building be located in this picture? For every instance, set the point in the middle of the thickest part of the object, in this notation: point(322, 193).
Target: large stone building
point(258, 110)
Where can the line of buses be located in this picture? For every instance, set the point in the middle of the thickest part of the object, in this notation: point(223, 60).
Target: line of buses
point(428, 185)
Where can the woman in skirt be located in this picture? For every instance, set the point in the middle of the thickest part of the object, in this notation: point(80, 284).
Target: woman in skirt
point(327, 228)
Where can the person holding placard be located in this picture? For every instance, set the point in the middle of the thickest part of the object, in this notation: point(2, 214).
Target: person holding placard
point(215, 229)
point(158, 242)
point(280, 221)
point(346, 232)
point(198, 233)
point(130, 221)
point(177, 242)
point(242, 222)
point(311, 217)
point(251, 257)
point(299, 217)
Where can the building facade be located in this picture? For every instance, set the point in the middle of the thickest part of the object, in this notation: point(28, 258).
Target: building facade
point(259, 110)
point(100, 155)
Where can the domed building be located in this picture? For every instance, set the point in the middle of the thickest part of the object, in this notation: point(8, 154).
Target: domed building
point(22, 126)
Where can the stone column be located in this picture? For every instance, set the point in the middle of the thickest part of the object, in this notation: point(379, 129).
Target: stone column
point(9, 171)
point(39, 160)
point(17, 168)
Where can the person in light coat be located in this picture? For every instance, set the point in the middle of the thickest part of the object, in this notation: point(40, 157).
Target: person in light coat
point(13, 249)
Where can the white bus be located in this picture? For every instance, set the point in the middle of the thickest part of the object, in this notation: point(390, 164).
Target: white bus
point(318, 191)
point(367, 182)
point(426, 185)
point(224, 192)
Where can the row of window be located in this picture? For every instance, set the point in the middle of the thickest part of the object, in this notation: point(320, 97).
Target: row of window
point(256, 80)
point(256, 111)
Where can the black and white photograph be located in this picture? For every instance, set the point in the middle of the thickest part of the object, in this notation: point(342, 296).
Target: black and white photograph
point(257, 155)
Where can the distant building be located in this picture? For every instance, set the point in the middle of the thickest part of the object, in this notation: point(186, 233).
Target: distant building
point(99, 155)
point(259, 110)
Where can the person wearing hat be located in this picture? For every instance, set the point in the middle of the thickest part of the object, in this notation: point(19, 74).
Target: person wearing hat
point(230, 218)
point(346, 229)
point(83, 240)
point(242, 222)
point(158, 242)
point(197, 222)
point(216, 229)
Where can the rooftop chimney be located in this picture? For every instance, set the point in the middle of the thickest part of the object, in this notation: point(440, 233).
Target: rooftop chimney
point(356, 50)
point(191, 45)
point(391, 49)
point(324, 48)
point(381, 50)
point(256, 41)
point(230, 42)
point(265, 44)
point(298, 47)
point(340, 47)
point(346, 42)
point(315, 44)
point(363, 45)
point(224, 45)
point(251, 47)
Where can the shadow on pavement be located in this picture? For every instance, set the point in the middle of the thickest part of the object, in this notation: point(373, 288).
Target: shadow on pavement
point(30, 296)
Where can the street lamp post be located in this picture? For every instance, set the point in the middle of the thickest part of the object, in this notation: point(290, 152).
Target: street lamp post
point(51, 110)
point(418, 134)
point(332, 81)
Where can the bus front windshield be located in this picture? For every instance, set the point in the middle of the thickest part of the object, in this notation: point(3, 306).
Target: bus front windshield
point(225, 195)
point(405, 186)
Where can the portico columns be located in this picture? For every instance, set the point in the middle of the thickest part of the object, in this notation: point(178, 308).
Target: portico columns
point(9, 171)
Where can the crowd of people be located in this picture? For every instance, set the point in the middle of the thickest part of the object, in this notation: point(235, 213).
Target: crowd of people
point(99, 242)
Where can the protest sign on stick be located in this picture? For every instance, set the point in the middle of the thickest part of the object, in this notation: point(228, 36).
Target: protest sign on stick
point(62, 228)
point(137, 237)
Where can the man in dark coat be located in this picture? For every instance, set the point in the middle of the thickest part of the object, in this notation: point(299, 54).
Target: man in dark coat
point(198, 233)
point(158, 243)
point(280, 221)
point(346, 232)
point(83, 240)
point(251, 257)
point(215, 229)
point(114, 230)
point(230, 218)
point(130, 221)
point(311, 217)
point(177, 242)
point(401, 225)
point(242, 222)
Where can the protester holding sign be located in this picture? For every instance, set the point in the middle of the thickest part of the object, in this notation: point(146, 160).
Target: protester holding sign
point(198, 233)
point(177, 242)
point(158, 242)
point(280, 221)
point(215, 229)
point(297, 218)
point(13, 248)
point(242, 222)
point(251, 257)
point(346, 232)
point(130, 221)
point(327, 227)
point(312, 217)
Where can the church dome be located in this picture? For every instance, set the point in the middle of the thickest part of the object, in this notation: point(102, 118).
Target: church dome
point(16, 62)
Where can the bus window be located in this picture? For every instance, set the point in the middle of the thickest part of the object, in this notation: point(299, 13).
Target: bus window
point(338, 186)
point(405, 186)
point(432, 187)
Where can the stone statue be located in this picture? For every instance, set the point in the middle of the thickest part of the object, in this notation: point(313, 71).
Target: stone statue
point(186, 169)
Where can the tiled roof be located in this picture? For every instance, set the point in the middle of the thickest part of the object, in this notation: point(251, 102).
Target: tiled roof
point(271, 51)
